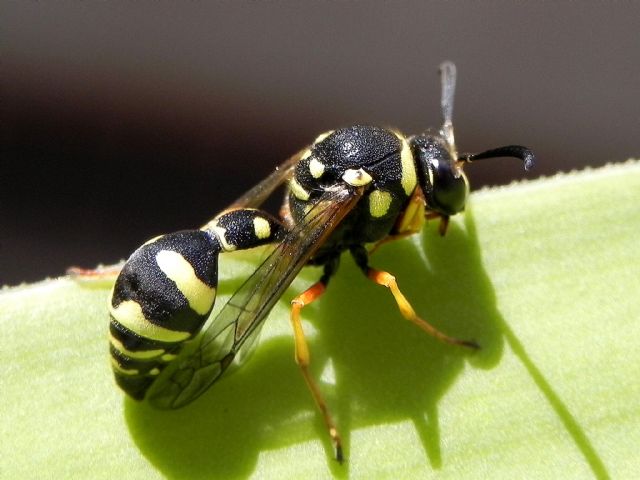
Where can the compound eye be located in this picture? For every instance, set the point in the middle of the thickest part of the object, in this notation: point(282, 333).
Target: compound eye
point(450, 188)
point(444, 185)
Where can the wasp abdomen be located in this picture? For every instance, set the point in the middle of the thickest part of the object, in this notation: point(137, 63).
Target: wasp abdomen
point(166, 291)
point(161, 298)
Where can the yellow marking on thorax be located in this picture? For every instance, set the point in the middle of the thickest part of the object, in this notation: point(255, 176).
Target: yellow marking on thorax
point(129, 314)
point(298, 191)
point(316, 168)
point(356, 177)
point(199, 295)
point(261, 228)
point(409, 178)
point(305, 155)
point(322, 136)
point(138, 355)
point(379, 203)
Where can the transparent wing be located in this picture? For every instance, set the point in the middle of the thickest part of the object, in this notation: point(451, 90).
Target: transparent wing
point(256, 196)
point(236, 326)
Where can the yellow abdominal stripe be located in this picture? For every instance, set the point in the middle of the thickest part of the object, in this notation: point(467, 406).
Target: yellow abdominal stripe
point(261, 228)
point(151, 240)
point(221, 235)
point(121, 370)
point(138, 355)
point(199, 295)
point(129, 314)
point(131, 371)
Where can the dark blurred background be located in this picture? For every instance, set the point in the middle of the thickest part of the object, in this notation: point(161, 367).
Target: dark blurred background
point(121, 121)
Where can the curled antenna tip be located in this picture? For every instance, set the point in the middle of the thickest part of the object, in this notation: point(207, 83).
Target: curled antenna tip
point(529, 160)
point(514, 151)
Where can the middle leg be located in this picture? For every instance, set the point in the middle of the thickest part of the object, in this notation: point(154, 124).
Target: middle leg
point(303, 357)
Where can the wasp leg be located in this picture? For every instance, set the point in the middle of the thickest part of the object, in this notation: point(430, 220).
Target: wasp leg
point(303, 357)
point(387, 280)
point(389, 239)
point(444, 221)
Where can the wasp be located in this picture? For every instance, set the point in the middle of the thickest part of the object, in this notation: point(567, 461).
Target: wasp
point(352, 187)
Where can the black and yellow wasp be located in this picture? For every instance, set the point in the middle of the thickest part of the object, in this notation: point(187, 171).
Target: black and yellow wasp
point(352, 187)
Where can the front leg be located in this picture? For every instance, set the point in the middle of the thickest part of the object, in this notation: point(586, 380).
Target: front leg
point(385, 279)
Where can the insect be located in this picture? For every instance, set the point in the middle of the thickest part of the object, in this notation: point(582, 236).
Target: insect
point(350, 188)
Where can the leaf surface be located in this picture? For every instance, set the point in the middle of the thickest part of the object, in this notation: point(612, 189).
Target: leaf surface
point(543, 274)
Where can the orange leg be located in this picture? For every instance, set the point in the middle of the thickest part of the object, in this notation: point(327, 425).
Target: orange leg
point(303, 358)
point(107, 272)
point(387, 280)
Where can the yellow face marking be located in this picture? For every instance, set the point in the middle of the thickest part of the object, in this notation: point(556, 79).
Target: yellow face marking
point(356, 177)
point(199, 295)
point(316, 168)
point(379, 203)
point(322, 136)
point(261, 228)
point(140, 355)
point(409, 179)
point(124, 371)
point(297, 190)
point(129, 314)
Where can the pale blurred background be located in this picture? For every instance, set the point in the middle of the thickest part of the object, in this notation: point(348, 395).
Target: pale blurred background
point(121, 121)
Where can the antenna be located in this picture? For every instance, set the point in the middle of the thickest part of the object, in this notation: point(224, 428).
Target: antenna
point(514, 151)
point(448, 81)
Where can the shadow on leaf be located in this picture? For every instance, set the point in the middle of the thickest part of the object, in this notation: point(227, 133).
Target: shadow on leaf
point(384, 369)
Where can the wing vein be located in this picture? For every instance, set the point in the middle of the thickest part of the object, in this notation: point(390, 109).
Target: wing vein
point(235, 327)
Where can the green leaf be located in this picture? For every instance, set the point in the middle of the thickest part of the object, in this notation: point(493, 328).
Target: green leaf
point(544, 275)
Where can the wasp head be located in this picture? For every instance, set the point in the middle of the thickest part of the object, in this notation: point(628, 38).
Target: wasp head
point(444, 184)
